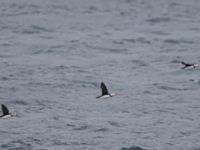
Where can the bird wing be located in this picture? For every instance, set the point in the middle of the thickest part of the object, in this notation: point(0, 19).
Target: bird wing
point(104, 89)
point(5, 110)
point(186, 64)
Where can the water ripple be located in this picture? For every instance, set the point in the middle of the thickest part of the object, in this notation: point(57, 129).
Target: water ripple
point(83, 127)
point(17, 145)
point(159, 20)
point(19, 102)
point(178, 41)
point(102, 130)
point(132, 148)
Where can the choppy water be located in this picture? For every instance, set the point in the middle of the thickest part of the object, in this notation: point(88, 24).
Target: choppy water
point(54, 54)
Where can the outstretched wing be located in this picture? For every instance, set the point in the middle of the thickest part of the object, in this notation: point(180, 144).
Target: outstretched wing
point(186, 64)
point(104, 89)
point(4, 110)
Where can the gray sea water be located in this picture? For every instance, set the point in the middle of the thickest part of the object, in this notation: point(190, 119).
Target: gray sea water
point(55, 53)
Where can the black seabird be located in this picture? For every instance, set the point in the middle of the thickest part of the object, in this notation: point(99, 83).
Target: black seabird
point(4, 112)
point(189, 66)
point(105, 93)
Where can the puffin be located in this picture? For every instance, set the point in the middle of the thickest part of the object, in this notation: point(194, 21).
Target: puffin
point(4, 112)
point(189, 66)
point(105, 93)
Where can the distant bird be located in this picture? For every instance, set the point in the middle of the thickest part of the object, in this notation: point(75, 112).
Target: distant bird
point(189, 66)
point(105, 93)
point(4, 112)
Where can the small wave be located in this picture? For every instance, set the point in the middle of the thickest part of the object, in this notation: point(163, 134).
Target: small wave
point(139, 63)
point(159, 33)
point(20, 102)
point(166, 87)
point(102, 130)
point(33, 29)
point(172, 88)
point(118, 42)
point(38, 84)
point(43, 51)
point(129, 40)
point(60, 7)
point(4, 78)
point(16, 9)
point(151, 92)
point(17, 145)
point(175, 61)
point(82, 83)
point(113, 123)
point(140, 40)
point(91, 10)
point(32, 139)
point(39, 28)
point(84, 127)
point(70, 125)
point(177, 41)
point(196, 149)
point(76, 143)
point(60, 68)
point(195, 29)
point(61, 85)
point(159, 20)
point(132, 148)
point(121, 51)
point(106, 49)
point(59, 143)
point(5, 45)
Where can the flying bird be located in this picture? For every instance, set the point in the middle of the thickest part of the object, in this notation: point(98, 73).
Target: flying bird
point(105, 93)
point(189, 66)
point(4, 112)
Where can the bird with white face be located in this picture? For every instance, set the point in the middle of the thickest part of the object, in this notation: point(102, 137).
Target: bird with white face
point(4, 112)
point(189, 66)
point(105, 93)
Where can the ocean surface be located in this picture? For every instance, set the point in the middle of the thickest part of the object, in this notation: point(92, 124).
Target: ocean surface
point(55, 53)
